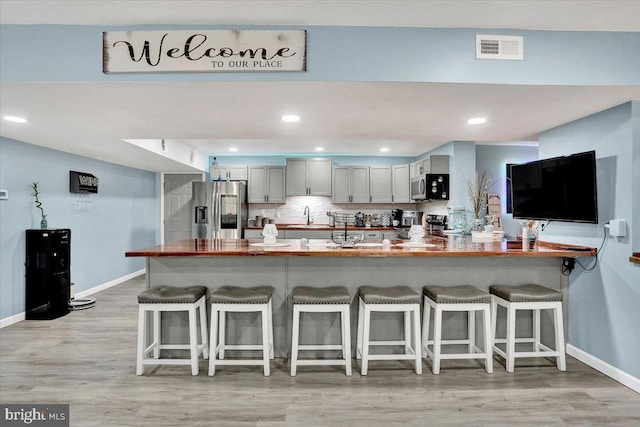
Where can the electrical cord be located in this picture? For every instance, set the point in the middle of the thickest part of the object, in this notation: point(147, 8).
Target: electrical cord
point(602, 245)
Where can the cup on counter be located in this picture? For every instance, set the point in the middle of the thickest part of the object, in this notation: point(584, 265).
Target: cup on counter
point(259, 220)
point(251, 223)
point(265, 221)
point(395, 222)
point(272, 221)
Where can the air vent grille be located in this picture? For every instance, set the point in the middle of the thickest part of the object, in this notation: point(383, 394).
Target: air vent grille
point(499, 47)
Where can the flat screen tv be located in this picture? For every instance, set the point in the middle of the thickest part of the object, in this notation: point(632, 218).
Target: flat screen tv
point(556, 189)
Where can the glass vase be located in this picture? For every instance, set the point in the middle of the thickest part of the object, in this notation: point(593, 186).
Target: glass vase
point(43, 222)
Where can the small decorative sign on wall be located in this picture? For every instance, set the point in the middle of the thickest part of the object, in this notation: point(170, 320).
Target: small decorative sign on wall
point(82, 182)
point(203, 51)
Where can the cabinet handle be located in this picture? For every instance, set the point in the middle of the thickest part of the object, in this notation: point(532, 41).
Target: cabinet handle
point(370, 198)
point(267, 197)
point(392, 198)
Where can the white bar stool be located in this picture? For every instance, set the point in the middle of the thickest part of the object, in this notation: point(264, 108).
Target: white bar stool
point(527, 297)
point(334, 299)
point(240, 300)
point(389, 299)
point(169, 298)
point(456, 298)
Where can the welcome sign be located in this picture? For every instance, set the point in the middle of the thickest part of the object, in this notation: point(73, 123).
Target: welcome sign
point(203, 51)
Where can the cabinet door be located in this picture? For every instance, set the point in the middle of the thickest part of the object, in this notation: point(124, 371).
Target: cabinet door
point(438, 164)
point(257, 184)
point(360, 184)
point(237, 173)
point(218, 172)
point(415, 168)
point(319, 177)
point(380, 184)
point(297, 177)
point(275, 185)
point(252, 234)
point(341, 192)
point(400, 184)
point(372, 235)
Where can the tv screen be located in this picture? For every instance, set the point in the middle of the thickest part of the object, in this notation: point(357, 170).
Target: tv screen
point(558, 189)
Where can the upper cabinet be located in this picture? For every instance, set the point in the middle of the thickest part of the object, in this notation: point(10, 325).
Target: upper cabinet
point(430, 164)
point(380, 185)
point(351, 184)
point(234, 173)
point(400, 184)
point(266, 184)
point(308, 177)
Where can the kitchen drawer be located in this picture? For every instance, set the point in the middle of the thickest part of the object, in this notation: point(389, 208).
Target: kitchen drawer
point(253, 234)
point(372, 235)
point(391, 235)
point(309, 234)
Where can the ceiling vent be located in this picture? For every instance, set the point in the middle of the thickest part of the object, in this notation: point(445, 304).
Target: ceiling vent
point(499, 47)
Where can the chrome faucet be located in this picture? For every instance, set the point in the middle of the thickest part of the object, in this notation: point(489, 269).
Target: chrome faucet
point(307, 212)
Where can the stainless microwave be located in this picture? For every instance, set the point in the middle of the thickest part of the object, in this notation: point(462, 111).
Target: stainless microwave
point(430, 186)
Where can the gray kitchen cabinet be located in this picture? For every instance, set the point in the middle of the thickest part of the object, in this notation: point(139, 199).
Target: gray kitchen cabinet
point(254, 234)
point(309, 234)
point(400, 184)
point(390, 235)
point(308, 177)
point(350, 184)
point(372, 235)
point(380, 184)
point(266, 184)
point(431, 164)
point(234, 173)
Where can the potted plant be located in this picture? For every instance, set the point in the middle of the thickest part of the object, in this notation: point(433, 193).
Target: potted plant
point(36, 194)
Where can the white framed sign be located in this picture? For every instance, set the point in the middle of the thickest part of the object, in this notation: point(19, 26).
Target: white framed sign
point(203, 51)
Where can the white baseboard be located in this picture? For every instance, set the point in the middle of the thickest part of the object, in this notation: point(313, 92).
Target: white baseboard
point(611, 371)
point(12, 319)
point(109, 284)
point(21, 316)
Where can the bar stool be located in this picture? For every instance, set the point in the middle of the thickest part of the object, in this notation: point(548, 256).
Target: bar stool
point(389, 299)
point(527, 297)
point(456, 298)
point(334, 299)
point(169, 298)
point(240, 300)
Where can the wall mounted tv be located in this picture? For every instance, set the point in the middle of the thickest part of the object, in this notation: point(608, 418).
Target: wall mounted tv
point(556, 189)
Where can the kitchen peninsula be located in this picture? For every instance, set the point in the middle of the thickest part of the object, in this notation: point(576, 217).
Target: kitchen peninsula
point(451, 260)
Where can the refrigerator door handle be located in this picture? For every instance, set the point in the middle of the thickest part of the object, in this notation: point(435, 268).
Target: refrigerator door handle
point(216, 217)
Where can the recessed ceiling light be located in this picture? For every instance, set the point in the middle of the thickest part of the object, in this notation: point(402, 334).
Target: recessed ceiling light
point(233, 149)
point(384, 149)
point(319, 148)
point(476, 121)
point(290, 118)
point(14, 119)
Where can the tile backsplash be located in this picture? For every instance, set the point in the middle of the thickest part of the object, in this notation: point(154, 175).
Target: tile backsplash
point(292, 212)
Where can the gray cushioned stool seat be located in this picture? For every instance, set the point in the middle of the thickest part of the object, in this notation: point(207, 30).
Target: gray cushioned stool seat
point(330, 295)
point(525, 293)
point(237, 295)
point(171, 295)
point(389, 295)
point(456, 294)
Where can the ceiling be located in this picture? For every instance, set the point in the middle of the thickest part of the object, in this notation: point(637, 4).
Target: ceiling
point(344, 118)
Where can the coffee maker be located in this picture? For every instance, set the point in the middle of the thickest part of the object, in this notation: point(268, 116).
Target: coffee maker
point(396, 215)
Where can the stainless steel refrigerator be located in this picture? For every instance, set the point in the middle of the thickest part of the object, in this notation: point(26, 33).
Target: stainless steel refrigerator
point(219, 209)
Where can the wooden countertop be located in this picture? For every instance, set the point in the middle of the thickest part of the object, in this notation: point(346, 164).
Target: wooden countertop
point(454, 246)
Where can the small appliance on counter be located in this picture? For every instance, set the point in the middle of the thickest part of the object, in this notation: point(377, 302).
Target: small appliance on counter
point(396, 217)
point(410, 218)
point(359, 219)
point(436, 222)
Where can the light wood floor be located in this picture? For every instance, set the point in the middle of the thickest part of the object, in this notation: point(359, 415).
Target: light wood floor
point(87, 359)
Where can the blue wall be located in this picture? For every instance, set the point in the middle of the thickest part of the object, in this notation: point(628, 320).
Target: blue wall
point(604, 319)
point(380, 54)
point(124, 215)
point(493, 159)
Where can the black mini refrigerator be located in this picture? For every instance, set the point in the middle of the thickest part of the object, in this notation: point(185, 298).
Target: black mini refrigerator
point(47, 273)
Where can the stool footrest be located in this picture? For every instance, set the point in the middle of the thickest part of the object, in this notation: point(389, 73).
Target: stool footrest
point(320, 347)
point(239, 362)
point(392, 357)
point(451, 342)
point(340, 362)
point(241, 347)
point(401, 342)
point(166, 361)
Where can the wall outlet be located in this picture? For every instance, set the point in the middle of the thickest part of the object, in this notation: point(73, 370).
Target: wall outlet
point(617, 228)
